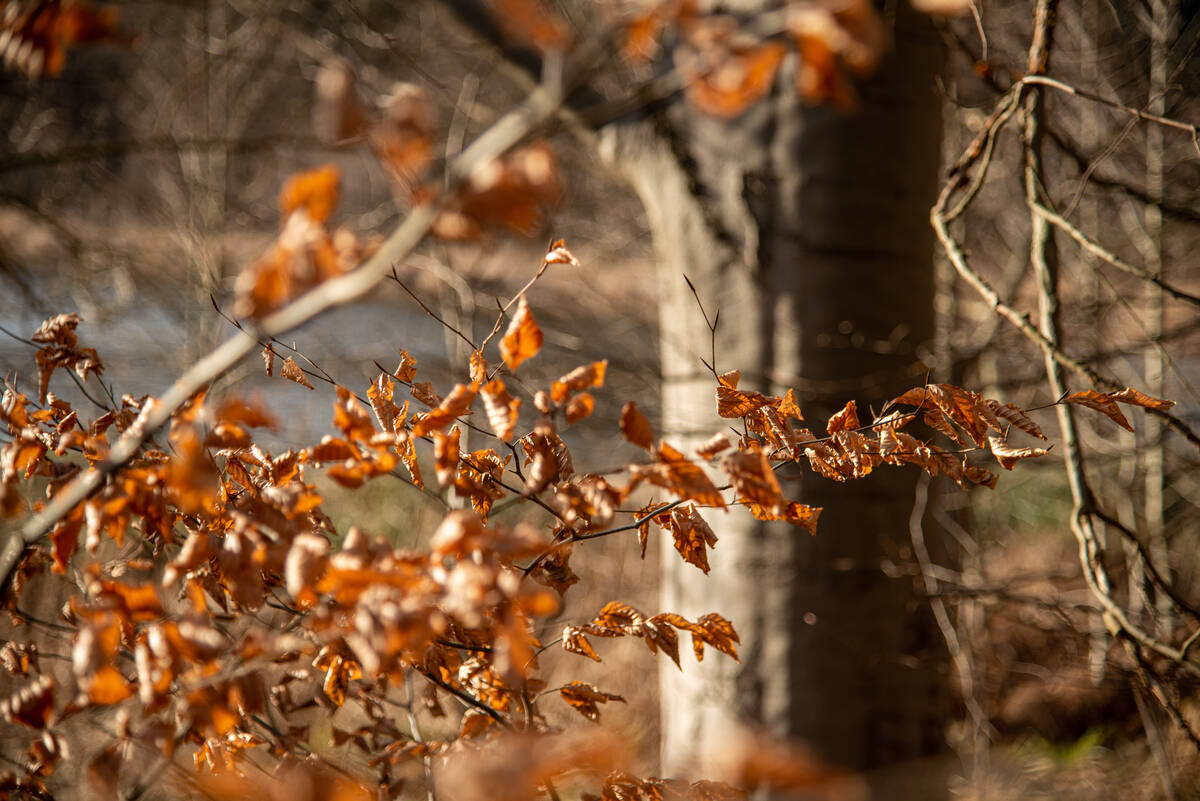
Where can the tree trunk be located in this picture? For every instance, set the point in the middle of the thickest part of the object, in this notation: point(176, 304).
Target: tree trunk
point(808, 228)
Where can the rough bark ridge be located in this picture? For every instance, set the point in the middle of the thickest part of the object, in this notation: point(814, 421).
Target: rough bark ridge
point(808, 228)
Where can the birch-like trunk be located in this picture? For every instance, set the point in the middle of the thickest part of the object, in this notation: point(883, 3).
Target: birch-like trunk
point(808, 228)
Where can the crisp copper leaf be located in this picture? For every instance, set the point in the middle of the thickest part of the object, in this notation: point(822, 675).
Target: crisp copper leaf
point(478, 368)
point(635, 427)
point(455, 405)
point(292, 372)
point(733, 403)
point(1135, 398)
point(753, 479)
point(717, 632)
point(575, 641)
point(794, 512)
point(675, 472)
point(380, 395)
point(693, 536)
point(523, 339)
point(501, 408)
point(407, 451)
point(268, 357)
point(587, 376)
point(1101, 402)
point(445, 454)
point(1015, 416)
point(584, 698)
point(1008, 456)
point(406, 371)
point(789, 408)
point(845, 420)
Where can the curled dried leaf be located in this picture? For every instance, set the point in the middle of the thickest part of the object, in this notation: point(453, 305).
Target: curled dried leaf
point(292, 372)
point(523, 339)
point(584, 698)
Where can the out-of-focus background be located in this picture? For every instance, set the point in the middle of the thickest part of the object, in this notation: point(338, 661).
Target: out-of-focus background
point(139, 182)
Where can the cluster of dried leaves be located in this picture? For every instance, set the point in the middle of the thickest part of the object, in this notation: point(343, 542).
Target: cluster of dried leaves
point(36, 34)
point(235, 605)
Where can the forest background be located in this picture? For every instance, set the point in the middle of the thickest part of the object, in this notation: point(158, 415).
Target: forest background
point(142, 179)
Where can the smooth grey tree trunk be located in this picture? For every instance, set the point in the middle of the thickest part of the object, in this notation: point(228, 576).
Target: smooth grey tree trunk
point(808, 227)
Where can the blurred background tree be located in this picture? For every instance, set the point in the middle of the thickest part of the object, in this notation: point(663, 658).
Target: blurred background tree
point(137, 182)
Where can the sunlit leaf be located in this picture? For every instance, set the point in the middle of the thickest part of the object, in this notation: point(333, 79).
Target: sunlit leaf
point(523, 339)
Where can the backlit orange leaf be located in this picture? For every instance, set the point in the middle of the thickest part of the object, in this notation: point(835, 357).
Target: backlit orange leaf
point(478, 368)
point(501, 408)
point(576, 642)
point(734, 403)
point(693, 536)
point(753, 479)
point(844, 420)
point(406, 371)
point(407, 451)
point(1135, 398)
point(789, 408)
point(587, 376)
point(717, 632)
point(456, 404)
point(678, 474)
point(741, 77)
point(579, 407)
point(316, 191)
point(445, 454)
point(584, 698)
point(636, 427)
point(380, 396)
point(423, 392)
point(523, 339)
point(794, 512)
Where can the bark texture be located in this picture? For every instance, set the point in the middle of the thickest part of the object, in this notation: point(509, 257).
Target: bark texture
point(809, 229)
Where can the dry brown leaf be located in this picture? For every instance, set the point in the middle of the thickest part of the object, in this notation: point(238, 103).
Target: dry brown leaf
point(575, 641)
point(753, 479)
point(579, 407)
point(635, 427)
point(1008, 456)
point(455, 405)
point(733, 403)
point(584, 697)
point(1135, 398)
point(587, 376)
point(1101, 402)
point(315, 191)
point(501, 408)
point(292, 372)
point(523, 339)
